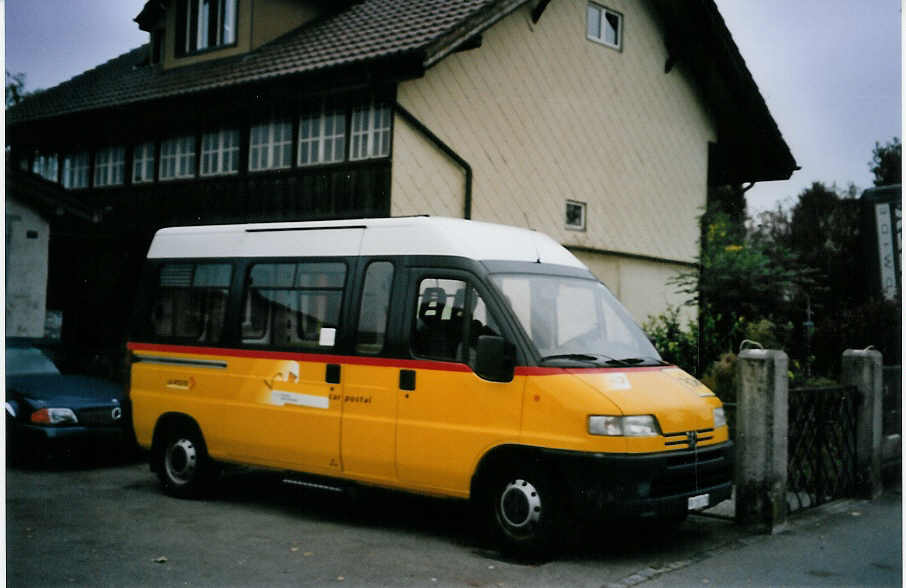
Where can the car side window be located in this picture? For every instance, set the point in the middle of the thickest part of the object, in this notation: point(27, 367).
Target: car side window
point(450, 316)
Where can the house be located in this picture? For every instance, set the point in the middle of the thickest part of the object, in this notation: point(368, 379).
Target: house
point(602, 123)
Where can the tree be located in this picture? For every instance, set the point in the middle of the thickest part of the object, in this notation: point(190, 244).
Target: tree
point(886, 163)
point(15, 88)
point(739, 279)
point(825, 236)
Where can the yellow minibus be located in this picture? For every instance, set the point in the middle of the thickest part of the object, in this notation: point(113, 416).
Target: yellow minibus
point(431, 355)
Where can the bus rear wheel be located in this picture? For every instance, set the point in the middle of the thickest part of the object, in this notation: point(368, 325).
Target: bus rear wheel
point(184, 469)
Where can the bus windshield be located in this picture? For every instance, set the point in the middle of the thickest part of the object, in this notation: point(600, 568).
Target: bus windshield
point(575, 318)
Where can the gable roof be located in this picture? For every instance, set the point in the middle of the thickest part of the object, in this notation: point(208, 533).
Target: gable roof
point(422, 33)
point(364, 32)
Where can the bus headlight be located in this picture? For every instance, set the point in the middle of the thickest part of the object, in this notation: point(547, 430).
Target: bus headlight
point(720, 418)
point(623, 426)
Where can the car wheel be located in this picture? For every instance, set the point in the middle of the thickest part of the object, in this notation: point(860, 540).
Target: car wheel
point(184, 469)
point(524, 512)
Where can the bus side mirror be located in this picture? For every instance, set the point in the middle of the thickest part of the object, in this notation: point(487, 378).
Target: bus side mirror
point(494, 358)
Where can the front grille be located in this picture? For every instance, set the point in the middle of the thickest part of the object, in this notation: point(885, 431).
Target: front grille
point(98, 417)
point(683, 440)
point(691, 472)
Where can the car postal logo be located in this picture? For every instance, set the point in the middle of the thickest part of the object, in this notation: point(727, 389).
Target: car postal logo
point(288, 373)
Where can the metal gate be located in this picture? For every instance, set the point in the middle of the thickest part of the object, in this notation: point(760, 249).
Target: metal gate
point(822, 445)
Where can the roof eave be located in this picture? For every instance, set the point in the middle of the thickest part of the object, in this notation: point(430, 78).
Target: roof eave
point(752, 147)
point(468, 29)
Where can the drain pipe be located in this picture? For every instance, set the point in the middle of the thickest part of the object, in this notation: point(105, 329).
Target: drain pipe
point(448, 151)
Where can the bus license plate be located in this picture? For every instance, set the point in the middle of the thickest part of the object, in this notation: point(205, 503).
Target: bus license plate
point(696, 502)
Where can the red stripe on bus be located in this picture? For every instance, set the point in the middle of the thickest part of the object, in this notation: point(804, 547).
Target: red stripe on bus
point(296, 356)
point(372, 361)
point(547, 371)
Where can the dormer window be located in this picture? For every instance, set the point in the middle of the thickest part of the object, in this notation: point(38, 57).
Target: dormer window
point(205, 24)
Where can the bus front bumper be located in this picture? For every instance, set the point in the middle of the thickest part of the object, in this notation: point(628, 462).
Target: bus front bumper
point(665, 484)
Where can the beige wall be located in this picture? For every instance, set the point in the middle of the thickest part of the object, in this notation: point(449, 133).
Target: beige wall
point(26, 271)
point(273, 18)
point(640, 284)
point(544, 115)
point(424, 180)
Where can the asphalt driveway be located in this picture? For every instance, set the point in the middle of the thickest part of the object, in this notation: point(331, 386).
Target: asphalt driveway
point(109, 524)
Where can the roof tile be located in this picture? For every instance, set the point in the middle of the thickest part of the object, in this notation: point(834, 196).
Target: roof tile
point(368, 30)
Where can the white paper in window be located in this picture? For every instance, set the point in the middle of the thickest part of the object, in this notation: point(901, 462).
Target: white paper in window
point(328, 336)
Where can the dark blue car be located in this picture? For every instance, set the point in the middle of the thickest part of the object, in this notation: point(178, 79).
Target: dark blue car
point(46, 409)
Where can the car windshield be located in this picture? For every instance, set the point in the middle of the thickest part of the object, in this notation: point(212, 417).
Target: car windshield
point(22, 361)
point(575, 318)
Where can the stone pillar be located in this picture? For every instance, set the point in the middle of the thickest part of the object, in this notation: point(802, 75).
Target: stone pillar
point(863, 369)
point(761, 439)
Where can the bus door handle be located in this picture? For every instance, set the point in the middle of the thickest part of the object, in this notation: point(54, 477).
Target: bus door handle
point(332, 375)
point(407, 380)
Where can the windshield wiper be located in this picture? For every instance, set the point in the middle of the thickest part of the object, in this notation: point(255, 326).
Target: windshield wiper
point(575, 356)
point(607, 360)
point(640, 360)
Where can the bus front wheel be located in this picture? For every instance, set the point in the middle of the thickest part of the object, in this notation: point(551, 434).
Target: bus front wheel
point(524, 512)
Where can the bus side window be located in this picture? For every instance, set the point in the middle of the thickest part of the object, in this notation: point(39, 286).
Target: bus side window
point(374, 309)
point(293, 304)
point(191, 301)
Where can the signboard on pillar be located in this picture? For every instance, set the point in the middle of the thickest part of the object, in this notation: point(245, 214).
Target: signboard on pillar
point(883, 213)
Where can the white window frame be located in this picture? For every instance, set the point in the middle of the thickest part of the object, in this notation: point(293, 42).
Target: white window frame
point(600, 12)
point(583, 216)
point(181, 152)
point(109, 166)
point(325, 141)
point(220, 153)
point(225, 32)
point(76, 167)
point(370, 131)
point(46, 165)
point(143, 163)
point(271, 145)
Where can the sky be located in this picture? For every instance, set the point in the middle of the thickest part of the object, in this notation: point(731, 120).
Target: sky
point(829, 70)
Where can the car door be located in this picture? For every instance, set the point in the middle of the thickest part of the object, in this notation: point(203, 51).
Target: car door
point(368, 439)
point(292, 388)
point(448, 416)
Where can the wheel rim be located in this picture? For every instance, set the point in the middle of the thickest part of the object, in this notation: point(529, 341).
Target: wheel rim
point(181, 461)
point(520, 506)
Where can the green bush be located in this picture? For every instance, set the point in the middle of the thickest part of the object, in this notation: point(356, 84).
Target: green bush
point(677, 343)
point(720, 377)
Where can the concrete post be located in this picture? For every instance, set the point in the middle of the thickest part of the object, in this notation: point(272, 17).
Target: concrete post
point(761, 439)
point(863, 369)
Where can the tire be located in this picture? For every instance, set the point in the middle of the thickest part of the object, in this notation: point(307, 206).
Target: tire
point(524, 512)
point(183, 467)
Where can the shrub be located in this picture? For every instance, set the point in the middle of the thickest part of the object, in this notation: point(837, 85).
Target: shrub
point(677, 344)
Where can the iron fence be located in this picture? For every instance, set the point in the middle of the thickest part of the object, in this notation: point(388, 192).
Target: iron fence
point(822, 445)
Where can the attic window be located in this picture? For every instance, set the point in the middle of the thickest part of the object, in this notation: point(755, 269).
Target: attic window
point(604, 26)
point(205, 24)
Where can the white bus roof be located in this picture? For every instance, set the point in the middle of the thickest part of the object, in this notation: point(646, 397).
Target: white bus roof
point(368, 237)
